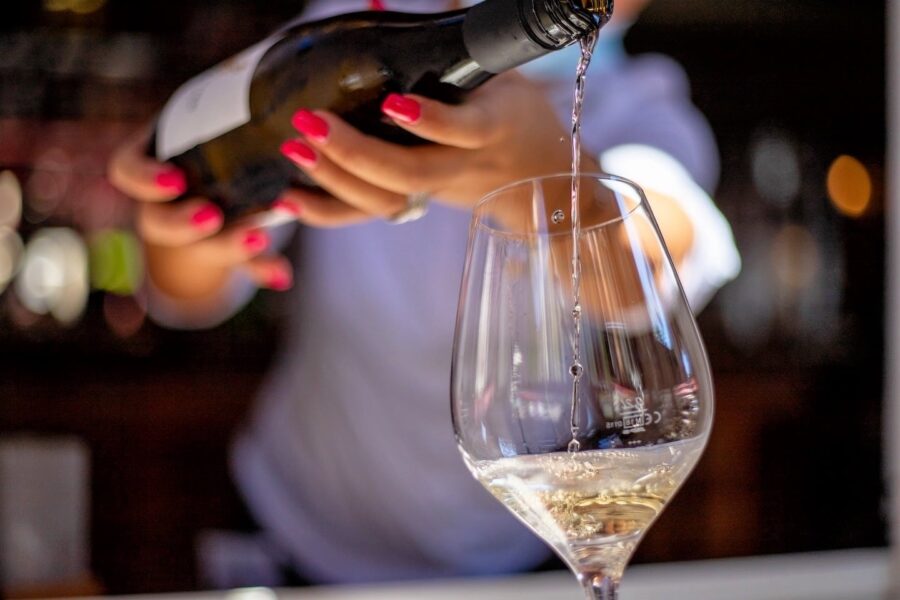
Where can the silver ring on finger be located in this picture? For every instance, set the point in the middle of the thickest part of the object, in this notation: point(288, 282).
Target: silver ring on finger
point(416, 208)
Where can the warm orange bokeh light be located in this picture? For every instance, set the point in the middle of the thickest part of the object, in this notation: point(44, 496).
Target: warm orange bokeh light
point(849, 186)
point(81, 7)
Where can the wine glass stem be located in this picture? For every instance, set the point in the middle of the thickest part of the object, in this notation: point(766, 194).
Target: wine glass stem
point(600, 587)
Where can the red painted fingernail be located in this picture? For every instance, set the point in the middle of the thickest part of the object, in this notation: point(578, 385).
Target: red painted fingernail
point(310, 124)
point(401, 108)
point(280, 280)
point(172, 180)
point(207, 217)
point(255, 241)
point(300, 153)
point(292, 207)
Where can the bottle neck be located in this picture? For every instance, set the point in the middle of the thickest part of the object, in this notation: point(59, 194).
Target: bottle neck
point(503, 34)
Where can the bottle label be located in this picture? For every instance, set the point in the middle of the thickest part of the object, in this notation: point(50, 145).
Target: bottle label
point(210, 104)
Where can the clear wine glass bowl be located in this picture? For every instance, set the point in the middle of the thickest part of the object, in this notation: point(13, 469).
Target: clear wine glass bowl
point(644, 402)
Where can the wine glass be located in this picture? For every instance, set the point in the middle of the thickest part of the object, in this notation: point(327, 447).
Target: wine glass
point(585, 452)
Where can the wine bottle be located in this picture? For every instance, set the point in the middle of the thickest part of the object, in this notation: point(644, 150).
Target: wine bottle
point(224, 127)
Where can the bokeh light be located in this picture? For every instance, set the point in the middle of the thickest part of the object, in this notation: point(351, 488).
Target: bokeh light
point(123, 314)
point(776, 168)
point(849, 186)
point(10, 255)
point(54, 275)
point(49, 181)
point(126, 57)
point(10, 200)
point(84, 7)
point(56, 5)
point(116, 262)
point(19, 316)
point(748, 304)
point(81, 7)
point(97, 206)
point(796, 258)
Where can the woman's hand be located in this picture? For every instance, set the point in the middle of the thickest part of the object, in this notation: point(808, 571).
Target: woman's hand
point(189, 253)
point(505, 131)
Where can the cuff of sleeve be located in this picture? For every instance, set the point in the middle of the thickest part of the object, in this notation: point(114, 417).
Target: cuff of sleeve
point(713, 260)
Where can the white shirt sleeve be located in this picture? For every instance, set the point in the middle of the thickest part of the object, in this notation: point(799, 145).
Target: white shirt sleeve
point(713, 260)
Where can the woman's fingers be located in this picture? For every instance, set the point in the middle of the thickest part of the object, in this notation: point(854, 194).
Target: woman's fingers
point(141, 177)
point(236, 245)
point(189, 269)
point(339, 180)
point(399, 169)
point(483, 119)
point(272, 272)
point(467, 125)
point(178, 223)
point(318, 210)
point(191, 231)
point(196, 225)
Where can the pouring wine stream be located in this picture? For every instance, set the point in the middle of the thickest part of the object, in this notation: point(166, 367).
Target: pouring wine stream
point(588, 43)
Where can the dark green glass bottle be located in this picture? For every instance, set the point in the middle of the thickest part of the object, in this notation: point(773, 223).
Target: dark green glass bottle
point(224, 127)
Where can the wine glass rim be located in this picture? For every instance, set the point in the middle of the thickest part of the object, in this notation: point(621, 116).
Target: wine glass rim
point(642, 199)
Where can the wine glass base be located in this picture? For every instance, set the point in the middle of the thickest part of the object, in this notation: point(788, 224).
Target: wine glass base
point(599, 587)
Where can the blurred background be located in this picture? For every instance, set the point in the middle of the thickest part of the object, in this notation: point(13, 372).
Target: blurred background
point(120, 428)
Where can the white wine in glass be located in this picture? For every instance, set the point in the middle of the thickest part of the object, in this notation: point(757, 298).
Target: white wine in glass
point(585, 452)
